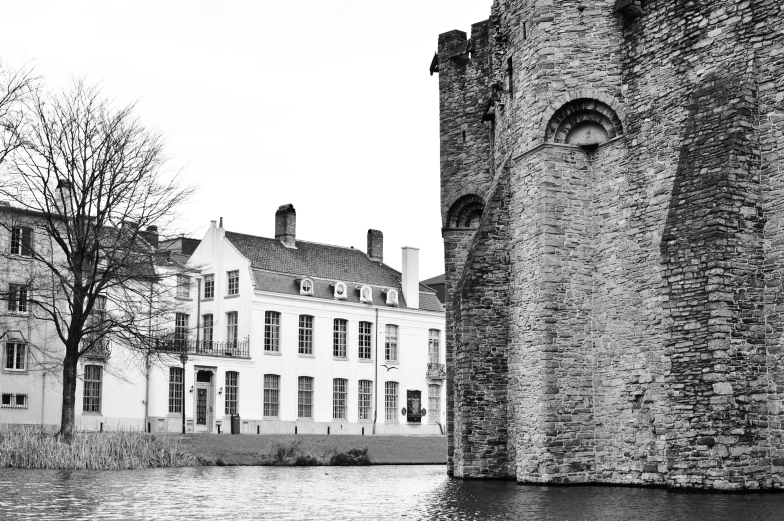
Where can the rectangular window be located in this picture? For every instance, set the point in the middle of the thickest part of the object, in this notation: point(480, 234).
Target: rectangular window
point(209, 286)
point(91, 401)
point(339, 405)
point(271, 395)
point(390, 349)
point(180, 328)
point(183, 286)
point(17, 298)
point(15, 356)
point(364, 340)
point(272, 331)
point(232, 327)
point(434, 403)
point(340, 338)
point(232, 391)
point(433, 349)
point(21, 241)
point(207, 329)
point(390, 400)
point(234, 283)
point(14, 401)
point(510, 75)
point(305, 335)
point(175, 389)
point(305, 397)
point(365, 400)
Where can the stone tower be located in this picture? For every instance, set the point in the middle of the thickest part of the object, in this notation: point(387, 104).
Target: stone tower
point(612, 196)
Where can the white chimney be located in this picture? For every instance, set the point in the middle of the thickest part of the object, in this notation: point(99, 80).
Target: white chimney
point(411, 276)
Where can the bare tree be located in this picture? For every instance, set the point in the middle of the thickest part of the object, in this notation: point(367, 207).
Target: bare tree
point(92, 187)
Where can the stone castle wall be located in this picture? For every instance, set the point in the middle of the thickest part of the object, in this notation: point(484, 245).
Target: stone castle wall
point(631, 330)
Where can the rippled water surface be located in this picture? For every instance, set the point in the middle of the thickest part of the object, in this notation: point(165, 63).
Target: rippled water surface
point(381, 492)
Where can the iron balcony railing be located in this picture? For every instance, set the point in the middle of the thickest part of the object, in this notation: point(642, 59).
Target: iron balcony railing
point(436, 371)
point(232, 348)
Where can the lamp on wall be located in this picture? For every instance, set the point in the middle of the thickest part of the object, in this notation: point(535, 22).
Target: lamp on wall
point(220, 391)
point(191, 389)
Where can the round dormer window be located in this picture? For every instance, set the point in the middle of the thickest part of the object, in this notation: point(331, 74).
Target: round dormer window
point(340, 290)
point(306, 287)
point(392, 297)
point(366, 294)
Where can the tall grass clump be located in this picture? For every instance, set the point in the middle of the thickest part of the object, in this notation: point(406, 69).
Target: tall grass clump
point(294, 454)
point(120, 450)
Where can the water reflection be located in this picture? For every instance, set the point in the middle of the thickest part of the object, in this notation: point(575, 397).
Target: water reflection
point(384, 492)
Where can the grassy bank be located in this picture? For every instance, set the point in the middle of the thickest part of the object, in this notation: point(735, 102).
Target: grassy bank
point(32, 449)
point(272, 449)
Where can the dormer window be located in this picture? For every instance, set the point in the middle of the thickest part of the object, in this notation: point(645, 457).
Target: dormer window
point(392, 298)
point(306, 287)
point(366, 294)
point(340, 291)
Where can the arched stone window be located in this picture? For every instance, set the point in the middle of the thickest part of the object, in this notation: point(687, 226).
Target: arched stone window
point(465, 212)
point(583, 121)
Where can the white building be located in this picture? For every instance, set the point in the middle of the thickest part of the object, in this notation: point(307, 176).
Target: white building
point(293, 336)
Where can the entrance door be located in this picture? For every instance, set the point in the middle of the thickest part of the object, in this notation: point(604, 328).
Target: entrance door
point(414, 407)
point(204, 402)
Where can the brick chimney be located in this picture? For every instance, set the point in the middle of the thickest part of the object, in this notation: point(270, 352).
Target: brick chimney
point(151, 235)
point(410, 280)
point(375, 245)
point(286, 225)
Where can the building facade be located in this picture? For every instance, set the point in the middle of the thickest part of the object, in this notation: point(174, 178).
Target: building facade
point(612, 223)
point(290, 336)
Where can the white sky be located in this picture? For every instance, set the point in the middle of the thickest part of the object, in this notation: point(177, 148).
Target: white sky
point(326, 104)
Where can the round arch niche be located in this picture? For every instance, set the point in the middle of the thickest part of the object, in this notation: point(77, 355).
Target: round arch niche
point(466, 212)
point(583, 121)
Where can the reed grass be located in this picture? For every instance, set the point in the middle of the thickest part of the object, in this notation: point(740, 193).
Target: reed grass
point(117, 450)
point(294, 454)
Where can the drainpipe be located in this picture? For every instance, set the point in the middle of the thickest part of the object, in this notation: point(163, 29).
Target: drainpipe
point(375, 381)
point(147, 360)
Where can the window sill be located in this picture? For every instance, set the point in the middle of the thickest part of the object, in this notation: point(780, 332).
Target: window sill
point(174, 415)
point(184, 299)
point(340, 358)
point(392, 362)
point(13, 407)
point(232, 296)
point(17, 313)
point(19, 256)
point(15, 371)
point(272, 353)
point(91, 413)
point(271, 418)
point(365, 360)
point(305, 355)
point(207, 299)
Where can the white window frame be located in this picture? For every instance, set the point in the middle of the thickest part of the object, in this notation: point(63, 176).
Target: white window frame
point(93, 389)
point(339, 399)
point(392, 299)
point(305, 397)
point(434, 346)
point(13, 401)
point(18, 246)
point(209, 286)
point(306, 334)
point(365, 400)
point(208, 322)
point(434, 403)
point(365, 341)
point(11, 354)
point(18, 299)
point(272, 331)
point(340, 338)
point(175, 390)
point(271, 396)
point(232, 392)
point(306, 287)
point(183, 286)
point(391, 390)
point(233, 282)
point(232, 327)
point(390, 343)
point(181, 327)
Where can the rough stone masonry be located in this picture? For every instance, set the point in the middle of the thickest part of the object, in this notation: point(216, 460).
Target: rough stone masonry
point(612, 194)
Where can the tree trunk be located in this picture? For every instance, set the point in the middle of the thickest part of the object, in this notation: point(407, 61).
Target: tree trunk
point(67, 421)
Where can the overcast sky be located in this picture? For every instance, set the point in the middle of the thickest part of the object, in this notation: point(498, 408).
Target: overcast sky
point(326, 104)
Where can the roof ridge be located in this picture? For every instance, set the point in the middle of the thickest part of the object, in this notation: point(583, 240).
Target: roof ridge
point(349, 248)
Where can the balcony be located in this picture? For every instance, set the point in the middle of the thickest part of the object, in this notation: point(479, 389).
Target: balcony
point(100, 350)
point(436, 371)
point(232, 349)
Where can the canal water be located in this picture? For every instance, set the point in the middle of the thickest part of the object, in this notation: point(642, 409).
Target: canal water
point(378, 492)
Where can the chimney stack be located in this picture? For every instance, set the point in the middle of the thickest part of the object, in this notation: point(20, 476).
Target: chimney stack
point(152, 236)
point(286, 225)
point(411, 276)
point(375, 245)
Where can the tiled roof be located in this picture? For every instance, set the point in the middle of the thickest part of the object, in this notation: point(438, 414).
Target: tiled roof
point(322, 289)
point(438, 279)
point(311, 259)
